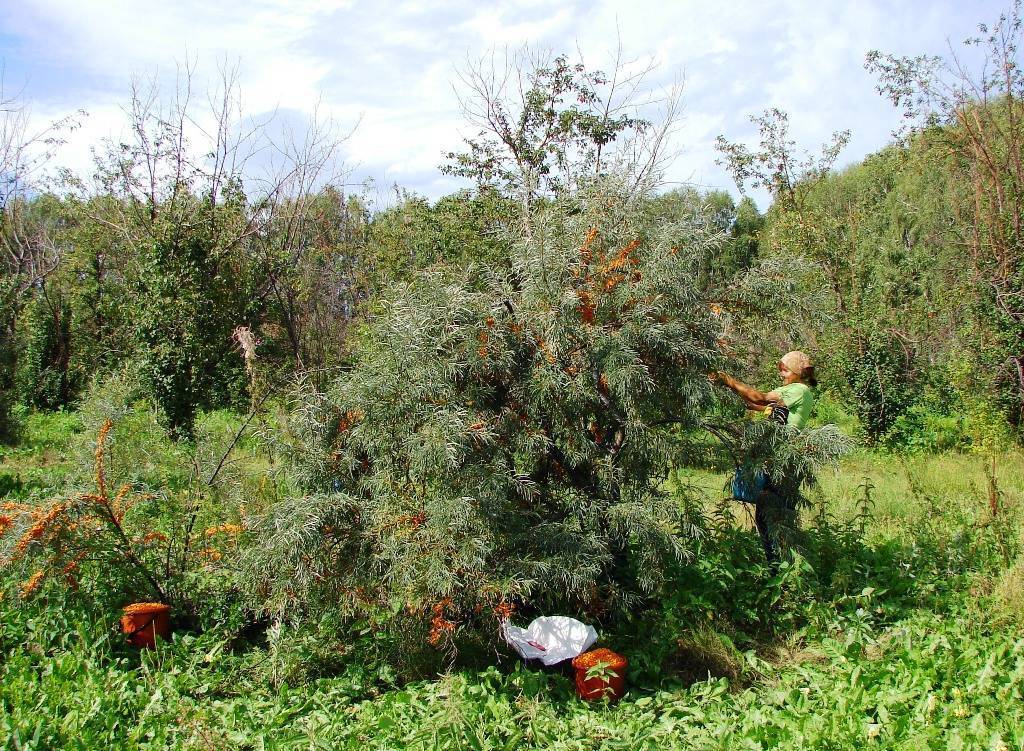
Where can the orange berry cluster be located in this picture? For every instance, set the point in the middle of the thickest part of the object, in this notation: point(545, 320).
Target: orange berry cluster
point(34, 582)
point(227, 529)
point(412, 520)
point(587, 660)
point(504, 610)
point(64, 531)
point(614, 272)
point(439, 625)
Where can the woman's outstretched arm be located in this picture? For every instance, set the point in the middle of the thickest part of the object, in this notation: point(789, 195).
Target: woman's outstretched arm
point(754, 399)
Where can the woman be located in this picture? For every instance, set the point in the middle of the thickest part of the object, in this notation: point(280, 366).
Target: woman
point(794, 399)
point(797, 373)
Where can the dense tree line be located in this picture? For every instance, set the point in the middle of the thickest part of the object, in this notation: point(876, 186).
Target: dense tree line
point(918, 246)
point(906, 267)
point(165, 294)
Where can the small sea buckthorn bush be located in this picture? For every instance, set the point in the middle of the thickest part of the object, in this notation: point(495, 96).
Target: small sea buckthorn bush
point(117, 542)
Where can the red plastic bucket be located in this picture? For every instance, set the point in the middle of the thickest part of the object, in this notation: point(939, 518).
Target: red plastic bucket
point(142, 622)
point(607, 675)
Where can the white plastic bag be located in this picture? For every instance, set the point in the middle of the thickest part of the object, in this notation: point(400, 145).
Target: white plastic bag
point(550, 638)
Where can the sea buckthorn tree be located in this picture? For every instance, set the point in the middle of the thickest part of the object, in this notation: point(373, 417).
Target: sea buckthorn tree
point(504, 436)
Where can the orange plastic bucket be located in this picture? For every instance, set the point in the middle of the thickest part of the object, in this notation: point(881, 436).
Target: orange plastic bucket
point(607, 671)
point(142, 622)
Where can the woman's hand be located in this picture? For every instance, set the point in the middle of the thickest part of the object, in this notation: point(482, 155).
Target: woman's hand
point(718, 376)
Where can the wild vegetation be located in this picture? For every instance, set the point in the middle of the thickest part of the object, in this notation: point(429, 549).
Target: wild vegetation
point(346, 443)
point(897, 625)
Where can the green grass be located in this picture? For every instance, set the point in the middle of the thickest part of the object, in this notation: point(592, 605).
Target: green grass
point(906, 490)
point(906, 635)
point(922, 682)
point(40, 461)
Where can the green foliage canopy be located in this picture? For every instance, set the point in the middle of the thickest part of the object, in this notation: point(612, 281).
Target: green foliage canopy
point(504, 434)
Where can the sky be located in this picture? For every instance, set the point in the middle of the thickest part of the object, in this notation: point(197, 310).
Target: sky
point(383, 74)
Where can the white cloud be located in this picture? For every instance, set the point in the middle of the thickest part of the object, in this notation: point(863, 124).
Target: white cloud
point(493, 27)
point(392, 63)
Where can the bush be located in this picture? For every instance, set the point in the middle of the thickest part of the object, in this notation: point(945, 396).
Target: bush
point(143, 516)
point(831, 408)
point(955, 410)
point(922, 429)
point(883, 386)
point(502, 437)
point(43, 377)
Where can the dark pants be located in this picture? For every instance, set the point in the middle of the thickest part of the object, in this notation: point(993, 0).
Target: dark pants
point(774, 516)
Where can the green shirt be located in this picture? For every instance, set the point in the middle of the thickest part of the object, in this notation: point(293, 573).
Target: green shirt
point(799, 398)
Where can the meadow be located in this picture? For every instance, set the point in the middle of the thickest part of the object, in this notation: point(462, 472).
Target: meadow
point(342, 438)
point(895, 624)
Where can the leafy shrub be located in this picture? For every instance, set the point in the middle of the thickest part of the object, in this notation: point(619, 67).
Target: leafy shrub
point(57, 538)
point(789, 458)
point(830, 408)
point(955, 410)
point(146, 456)
point(144, 522)
point(43, 377)
point(883, 386)
point(54, 431)
point(921, 429)
point(502, 435)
